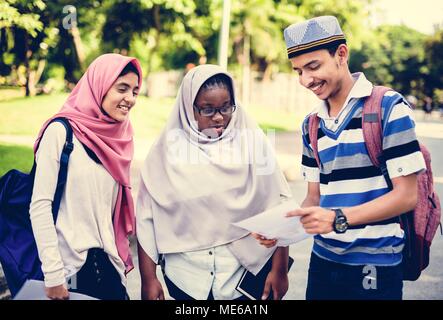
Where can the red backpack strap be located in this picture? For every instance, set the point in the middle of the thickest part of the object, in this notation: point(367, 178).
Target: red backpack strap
point(313, 125)
point(371, 123)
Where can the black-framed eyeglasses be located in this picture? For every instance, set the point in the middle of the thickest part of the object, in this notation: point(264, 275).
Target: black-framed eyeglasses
point(210, 111)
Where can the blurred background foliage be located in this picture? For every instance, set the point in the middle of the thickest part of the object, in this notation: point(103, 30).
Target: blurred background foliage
point(39, 55)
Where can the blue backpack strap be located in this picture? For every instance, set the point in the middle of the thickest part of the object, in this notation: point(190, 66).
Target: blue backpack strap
point(63, 171)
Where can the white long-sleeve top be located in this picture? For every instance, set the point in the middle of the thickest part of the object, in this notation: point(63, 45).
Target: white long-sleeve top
point(196, 272)
point(86, 209)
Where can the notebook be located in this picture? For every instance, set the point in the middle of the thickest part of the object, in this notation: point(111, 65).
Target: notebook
point(252, 286)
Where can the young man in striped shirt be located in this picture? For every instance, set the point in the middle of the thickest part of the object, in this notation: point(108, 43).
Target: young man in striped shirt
point(358, 240)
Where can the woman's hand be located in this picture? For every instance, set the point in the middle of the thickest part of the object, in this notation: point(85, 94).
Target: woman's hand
point(152, 290)
point(278, 282)
point(57, 292)
point(268, 243)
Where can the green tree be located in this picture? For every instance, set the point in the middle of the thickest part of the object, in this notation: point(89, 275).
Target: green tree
point(394, 56)
point(352, 15)
point(78, 32)
point(260, 23)
point(36, 37)
point(434, 61)
point(21, 29)
point(163, 34)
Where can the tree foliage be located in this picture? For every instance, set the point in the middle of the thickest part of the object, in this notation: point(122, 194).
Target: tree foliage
point(168, 34)
point(394, 56)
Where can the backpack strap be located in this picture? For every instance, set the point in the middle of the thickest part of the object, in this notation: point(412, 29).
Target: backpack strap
point(313, 125)
point(373, 130)
point(63, 170)
point(371, 126)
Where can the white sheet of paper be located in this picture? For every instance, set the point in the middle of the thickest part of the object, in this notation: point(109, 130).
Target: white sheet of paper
point(273, 224)
point(35, 290)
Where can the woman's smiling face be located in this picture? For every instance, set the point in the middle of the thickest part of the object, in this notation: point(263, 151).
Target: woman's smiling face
point(121, 97)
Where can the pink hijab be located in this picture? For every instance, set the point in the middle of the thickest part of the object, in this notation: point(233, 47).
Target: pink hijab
point(111, 141)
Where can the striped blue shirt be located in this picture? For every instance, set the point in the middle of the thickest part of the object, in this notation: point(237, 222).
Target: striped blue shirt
point(348, 178)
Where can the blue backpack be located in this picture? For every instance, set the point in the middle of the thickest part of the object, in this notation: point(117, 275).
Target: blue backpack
point(18, 250)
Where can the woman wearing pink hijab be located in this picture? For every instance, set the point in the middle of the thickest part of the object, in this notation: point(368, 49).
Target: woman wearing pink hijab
point(88, 246)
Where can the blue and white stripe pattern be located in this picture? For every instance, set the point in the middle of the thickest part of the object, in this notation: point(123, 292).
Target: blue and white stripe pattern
point(348, 178)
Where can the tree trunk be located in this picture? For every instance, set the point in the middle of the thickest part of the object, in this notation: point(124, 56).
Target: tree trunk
point(30, 80)
point(78, 45)
point(149, 66)
point(246, 70)
point(40, 69)
point(157, 22)
point(224, 35)
point(28, 54)
point(268, 72)
point(30, 83)
point(70, 61)
point(33, 77)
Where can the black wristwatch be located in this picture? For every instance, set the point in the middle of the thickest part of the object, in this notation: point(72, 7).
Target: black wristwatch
point(340, 223)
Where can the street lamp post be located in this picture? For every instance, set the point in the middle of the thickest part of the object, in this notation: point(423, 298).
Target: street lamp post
point(224, 35)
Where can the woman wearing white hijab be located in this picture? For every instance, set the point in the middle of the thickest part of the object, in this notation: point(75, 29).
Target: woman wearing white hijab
point(211, 166)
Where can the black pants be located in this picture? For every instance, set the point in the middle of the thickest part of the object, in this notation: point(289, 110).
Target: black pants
point(98, 278)
point(328, 280)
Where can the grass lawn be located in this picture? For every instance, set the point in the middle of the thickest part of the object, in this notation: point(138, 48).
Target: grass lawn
point(24, 116)
point(9, 93)
point(17, 157)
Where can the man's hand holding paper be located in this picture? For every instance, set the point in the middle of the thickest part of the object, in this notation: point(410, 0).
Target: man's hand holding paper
point(274, 224)
point(315, 220)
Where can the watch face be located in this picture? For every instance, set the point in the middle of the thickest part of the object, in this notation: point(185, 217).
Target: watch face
point(341, 224)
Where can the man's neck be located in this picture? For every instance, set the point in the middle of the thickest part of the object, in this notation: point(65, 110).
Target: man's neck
point(336, 102)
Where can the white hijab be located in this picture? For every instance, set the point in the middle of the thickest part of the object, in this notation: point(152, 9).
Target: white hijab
point(200, 185)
